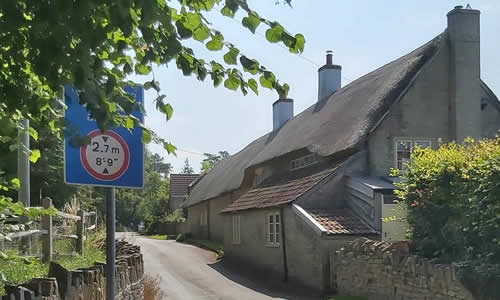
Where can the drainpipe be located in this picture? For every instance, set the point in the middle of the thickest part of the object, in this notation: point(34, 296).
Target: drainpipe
point(208, 220)
point(283, 241)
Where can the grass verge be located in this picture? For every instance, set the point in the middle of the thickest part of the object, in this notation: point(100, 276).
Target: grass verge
point(17, 270)
point(157, 236)
point(208, 245)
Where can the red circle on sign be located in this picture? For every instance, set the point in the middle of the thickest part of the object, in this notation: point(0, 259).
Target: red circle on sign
point(126, 158)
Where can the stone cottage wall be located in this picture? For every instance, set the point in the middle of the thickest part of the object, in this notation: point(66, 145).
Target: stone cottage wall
point(380, 271)
point(87, 283)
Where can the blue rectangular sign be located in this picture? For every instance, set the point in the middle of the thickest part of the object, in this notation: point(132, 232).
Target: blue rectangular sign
point(111, 158)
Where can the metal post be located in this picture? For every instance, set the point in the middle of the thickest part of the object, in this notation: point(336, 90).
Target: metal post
point(23, 173)
point(23, 163)
point(110, 244)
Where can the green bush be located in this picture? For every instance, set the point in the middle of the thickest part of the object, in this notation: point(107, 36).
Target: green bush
point(182, 237)
point(452, 197)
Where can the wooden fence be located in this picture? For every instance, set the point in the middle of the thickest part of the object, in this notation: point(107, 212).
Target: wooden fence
point(85, 222)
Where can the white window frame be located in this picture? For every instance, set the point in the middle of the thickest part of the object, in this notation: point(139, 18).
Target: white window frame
point(204, 218)
point(301, 162)
point(273, 229)
point(412, 142)
point(236, 229)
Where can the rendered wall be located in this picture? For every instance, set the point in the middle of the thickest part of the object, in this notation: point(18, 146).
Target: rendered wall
point(422, 112)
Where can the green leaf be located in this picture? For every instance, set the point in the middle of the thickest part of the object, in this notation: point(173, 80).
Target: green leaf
point(142, 69)
point(232, 82)
point(227, 11)
point(273, 34)
point(251, 22)
point(299, 43)
point(183, 31)
point(214, 45)
point(52, 125)
point(33, 133)
point(249, 65)
point(193, 21)
point(252, 84)
point(16, 183)
point(267, 80)
point(4, 256)
point(148, 85)
point(34, 155)
point(201, 33)
point(170, 148)
point(146, 136)
point(231, 56)
point(168, 110)
point(129, 123)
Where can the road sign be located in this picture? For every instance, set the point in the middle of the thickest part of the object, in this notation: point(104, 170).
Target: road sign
point(111, 158)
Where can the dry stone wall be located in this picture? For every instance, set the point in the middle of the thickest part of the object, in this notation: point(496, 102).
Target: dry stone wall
point(381, 271)
point(87, 283)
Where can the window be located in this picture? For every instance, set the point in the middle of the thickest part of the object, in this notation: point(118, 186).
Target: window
point(204, 218)
point(404, 148)
point(303, 161)
point(273, 229)
point(236, 229)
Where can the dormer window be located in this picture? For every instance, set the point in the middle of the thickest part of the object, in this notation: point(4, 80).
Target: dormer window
point(303, 161)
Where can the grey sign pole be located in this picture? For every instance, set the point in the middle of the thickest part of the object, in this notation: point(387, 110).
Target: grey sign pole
point(23, 163)
point(110, 244)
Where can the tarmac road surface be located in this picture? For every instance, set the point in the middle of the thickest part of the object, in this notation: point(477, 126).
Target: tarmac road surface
point(188, 272)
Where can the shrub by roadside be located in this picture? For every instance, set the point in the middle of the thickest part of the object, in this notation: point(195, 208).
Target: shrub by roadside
point(452, 198)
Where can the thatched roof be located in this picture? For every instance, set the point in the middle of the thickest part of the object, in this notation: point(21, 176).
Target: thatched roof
point(338, 123)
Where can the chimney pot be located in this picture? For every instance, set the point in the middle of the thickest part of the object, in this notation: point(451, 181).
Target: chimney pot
point(329, 77)
point(329, 57)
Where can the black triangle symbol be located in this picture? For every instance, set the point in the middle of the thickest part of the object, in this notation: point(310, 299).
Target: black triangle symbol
point(105, 138)
point(105, 171)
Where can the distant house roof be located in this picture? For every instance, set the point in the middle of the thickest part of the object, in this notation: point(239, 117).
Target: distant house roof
point(179, 183)
point(279, 190)
point(336, 124)
point(340, 222)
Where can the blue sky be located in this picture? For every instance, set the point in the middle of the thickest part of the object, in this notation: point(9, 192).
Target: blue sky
point(363, 35)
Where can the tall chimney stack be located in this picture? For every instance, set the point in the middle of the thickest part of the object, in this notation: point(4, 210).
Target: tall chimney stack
point(329, 77)
point(465, 82)
point(282, 112)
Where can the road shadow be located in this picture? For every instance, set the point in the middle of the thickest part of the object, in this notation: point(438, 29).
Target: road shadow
point(262, 281)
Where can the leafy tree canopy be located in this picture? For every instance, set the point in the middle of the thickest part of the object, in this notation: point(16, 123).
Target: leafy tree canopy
point(95, 45)
point(212, 159)
point(187, 169)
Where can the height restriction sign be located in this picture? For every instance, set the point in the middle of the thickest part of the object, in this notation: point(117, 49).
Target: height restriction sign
point(110, 158)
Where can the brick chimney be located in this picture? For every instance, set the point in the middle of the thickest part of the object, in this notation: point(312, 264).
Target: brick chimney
point(465, 82)
point(329, 77)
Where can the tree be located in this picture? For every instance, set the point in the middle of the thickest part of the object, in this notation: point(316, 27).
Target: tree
point(159, 166)
point(212, 159)
point(187, 169)
point(148, 204)
point(95, 45)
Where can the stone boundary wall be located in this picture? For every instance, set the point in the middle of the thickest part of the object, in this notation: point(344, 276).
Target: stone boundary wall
point(87, 283)
point(381, 270)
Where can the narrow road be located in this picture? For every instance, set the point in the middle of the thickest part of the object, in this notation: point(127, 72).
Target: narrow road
point(188, 272)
